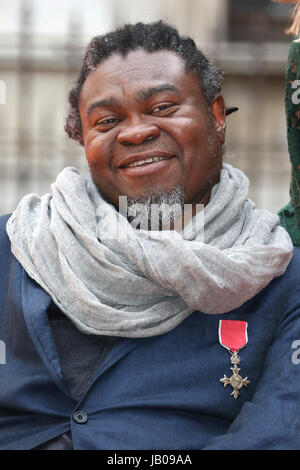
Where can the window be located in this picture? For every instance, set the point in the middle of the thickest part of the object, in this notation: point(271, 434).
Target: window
point(258, 20)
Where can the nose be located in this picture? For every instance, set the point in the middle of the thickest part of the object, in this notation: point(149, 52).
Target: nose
point(136, 133)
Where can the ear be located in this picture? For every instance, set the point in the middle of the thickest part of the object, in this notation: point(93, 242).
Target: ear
point(218, 112)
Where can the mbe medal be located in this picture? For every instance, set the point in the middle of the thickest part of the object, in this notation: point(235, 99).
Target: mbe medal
point(233, 336)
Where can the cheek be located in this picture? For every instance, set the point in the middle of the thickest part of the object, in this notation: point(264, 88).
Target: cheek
point(96, 150)
point(190, 132)
point(201, 151)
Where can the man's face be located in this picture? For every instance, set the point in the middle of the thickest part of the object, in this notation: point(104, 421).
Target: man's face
point(147, 106)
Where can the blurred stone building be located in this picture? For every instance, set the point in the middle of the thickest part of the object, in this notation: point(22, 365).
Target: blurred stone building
point(41, 45)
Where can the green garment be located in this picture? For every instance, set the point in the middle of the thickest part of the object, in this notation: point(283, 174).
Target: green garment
point(290, 214)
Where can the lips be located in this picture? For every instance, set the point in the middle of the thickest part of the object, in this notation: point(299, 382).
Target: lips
point(141, 157)
point(158, 169)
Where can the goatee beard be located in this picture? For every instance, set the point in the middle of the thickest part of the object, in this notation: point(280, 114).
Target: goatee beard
point(157, 210)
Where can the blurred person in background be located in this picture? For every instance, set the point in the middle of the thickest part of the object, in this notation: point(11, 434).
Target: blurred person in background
point(290, 214)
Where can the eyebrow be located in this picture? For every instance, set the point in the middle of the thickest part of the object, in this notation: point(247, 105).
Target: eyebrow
point(146, 94)
point(105, 103)
point(142, 95)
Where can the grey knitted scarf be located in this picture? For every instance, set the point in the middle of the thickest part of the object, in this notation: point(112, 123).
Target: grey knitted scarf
point(145, 284)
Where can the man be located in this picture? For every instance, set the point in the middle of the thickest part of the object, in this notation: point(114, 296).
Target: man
point(126, 342)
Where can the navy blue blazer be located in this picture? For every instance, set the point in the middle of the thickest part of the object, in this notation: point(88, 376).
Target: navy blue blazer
point(162, 392)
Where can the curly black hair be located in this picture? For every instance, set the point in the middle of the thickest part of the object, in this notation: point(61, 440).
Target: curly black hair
point(150, 37)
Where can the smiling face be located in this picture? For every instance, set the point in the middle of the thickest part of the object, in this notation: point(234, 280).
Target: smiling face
point(146, 106)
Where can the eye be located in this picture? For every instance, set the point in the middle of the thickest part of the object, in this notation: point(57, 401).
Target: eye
point(164, 107)
point(106, 124)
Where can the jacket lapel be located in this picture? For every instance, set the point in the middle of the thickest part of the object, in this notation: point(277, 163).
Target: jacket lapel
point(35, 302)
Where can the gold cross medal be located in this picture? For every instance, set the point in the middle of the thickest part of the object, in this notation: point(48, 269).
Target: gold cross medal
point(233, 336)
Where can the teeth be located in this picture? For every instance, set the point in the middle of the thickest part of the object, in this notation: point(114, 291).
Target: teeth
point(148, 160)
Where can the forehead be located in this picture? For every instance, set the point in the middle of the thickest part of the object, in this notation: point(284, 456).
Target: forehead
point(138, 69)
